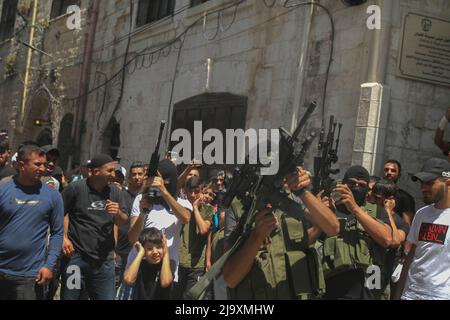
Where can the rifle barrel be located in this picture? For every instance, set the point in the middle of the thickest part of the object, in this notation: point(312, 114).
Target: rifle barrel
point(161, 130)
point(305, 118)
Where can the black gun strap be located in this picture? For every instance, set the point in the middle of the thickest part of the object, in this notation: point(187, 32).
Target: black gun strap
point(198, 290)
point(285, 204)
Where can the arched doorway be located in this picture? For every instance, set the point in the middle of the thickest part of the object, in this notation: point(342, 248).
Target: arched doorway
point(220, 111)
point(44, 138)
point(111, 139)
point(38, 126)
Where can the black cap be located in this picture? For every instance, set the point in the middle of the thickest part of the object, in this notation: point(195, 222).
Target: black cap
point(49, 148)
point(100, 160)
point(432, 169)
point(357, 172)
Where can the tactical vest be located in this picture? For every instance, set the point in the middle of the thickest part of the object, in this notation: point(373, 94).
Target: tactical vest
point(288, 268)
point(352, 248)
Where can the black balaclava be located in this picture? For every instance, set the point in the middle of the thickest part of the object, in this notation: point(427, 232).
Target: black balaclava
point(359, 192)
point(169, 171)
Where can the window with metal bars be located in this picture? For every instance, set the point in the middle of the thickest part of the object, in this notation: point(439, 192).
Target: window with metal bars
point(153, 10)
point(8, 19)
point(197, 2)
point(220, 111)
point(59, 7)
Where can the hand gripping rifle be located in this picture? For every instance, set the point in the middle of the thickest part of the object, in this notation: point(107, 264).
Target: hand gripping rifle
point(256, 192)
point(328, 150)
point(154, 193)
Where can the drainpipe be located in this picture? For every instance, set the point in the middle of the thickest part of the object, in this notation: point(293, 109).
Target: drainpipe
point(28, 66)
point(373, 110)
point(380, 45)
point(303, 59)
point(77, 130)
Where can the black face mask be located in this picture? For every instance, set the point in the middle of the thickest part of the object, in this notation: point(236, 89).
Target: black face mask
point(359, 193)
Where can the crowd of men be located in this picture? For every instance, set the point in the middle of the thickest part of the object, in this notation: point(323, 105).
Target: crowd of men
point(102, 232)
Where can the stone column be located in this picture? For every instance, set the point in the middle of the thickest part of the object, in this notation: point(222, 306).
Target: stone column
point(371, 124)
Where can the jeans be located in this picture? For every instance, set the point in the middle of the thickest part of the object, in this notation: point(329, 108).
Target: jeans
point(96, 278)
point(120, 266)
point(18, 288)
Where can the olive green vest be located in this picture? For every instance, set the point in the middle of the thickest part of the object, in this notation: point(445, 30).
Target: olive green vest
point(288, 268)
point(192, 243)
point(352, 248)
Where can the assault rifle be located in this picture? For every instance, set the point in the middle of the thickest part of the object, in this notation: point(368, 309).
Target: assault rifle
point(256, 192)
point(328, 150)
point(153, 193)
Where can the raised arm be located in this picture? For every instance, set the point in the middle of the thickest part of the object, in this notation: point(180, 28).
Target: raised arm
point(241, 262)
point(131, 273)
point(166, 276)
point(180, 212)
point(203, 225)
point(398, 236)
point(440, 131)
point(319, 214)
point(380, 232)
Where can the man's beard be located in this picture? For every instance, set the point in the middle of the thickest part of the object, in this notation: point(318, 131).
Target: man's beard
point(394, 180)
point(437, 197)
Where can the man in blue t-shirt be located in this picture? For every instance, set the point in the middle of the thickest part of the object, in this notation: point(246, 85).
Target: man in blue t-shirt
point(28, 209)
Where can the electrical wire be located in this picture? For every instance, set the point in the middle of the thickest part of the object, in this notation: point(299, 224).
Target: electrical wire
point(164, 46)
point(330, 61)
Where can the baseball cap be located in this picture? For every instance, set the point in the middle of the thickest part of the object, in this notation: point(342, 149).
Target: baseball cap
point(49, 148)
point(100, 160)
point(432, 169)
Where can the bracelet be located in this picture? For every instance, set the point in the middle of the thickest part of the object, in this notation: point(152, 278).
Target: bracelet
point(443, 123)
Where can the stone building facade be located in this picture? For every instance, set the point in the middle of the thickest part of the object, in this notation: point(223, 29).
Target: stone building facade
point(238, 64)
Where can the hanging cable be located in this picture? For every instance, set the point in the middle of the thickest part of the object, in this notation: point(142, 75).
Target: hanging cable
point(331, 45)
point(205, 20)
point(164, 46)
point(122, 84)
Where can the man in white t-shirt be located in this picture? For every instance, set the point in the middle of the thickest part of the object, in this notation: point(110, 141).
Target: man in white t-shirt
point(168, 214)
point(426, 271)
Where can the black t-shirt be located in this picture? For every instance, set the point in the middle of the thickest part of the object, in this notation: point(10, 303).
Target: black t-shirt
point(349, 285)
point(404, 202)
point(147, 285)
point(7, 171)
point(91, 228)
point(123, 245)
